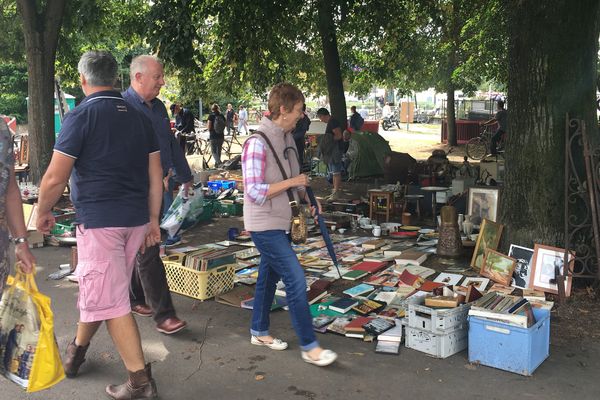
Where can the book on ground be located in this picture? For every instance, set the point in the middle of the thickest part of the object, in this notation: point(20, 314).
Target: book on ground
point(387, 347)
point(369, 266)
point(235, 296)
point(394, 334)
point(412, 257)
point(373, 244)
point(338, 325)
point(359, 290)
point(343, 305)
point(354, 275)
point(367, 307)
point(378, 325)
point(356, 325)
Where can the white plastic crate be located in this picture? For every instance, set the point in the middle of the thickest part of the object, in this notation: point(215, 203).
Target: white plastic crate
point(437, 320)
point(437, 345)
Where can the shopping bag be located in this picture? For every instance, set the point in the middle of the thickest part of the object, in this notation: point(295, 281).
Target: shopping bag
point(28, 351)
point(183, 213)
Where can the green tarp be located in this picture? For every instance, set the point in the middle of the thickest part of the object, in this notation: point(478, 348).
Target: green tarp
point(367, 151)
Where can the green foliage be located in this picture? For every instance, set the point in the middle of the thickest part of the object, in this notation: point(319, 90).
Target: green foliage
point(13, 90)
point(113, 25)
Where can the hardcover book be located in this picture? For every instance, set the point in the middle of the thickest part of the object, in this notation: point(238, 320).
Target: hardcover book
point(338, 325)
point(394, 334)
point(387, 347)
point(378, 325)
point(412, 257)
point(373, 244)
point(356, 325)
point(369, 266)
point(359, 290)
point(354, 275)
point(343, 305)
point(367, 307)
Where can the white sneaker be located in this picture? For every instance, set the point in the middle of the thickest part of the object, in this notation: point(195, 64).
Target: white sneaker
point(276, 344)
point(325, 358)
point(335, 195)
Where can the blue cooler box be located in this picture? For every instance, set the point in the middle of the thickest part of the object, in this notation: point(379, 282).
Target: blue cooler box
point(509, 347)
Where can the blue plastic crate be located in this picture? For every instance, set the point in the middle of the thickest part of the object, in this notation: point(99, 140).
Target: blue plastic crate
point(227, 184)
point(214, 185)
point(508, 347)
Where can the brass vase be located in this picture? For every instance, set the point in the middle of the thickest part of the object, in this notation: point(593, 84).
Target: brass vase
point(449, 242)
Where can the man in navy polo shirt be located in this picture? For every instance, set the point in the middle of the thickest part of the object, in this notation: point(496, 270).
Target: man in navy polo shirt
point(110, 152)
point(149, 281)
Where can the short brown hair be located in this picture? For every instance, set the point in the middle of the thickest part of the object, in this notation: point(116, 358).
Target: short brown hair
point(286, 95)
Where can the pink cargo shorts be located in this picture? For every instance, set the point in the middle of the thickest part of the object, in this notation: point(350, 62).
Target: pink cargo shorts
point(106, 258)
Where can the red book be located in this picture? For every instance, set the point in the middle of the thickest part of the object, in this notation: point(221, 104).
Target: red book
point(428, 286)
point(409, 279)
point(369, 266)
point(356, 325)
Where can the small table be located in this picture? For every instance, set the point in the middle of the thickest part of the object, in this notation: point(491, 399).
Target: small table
point(434, 190)
point(374, 196)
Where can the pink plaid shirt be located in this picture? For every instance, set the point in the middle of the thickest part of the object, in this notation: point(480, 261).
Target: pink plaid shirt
point(253, 169)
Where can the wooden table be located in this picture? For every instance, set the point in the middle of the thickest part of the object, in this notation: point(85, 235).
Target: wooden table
point(375, 195)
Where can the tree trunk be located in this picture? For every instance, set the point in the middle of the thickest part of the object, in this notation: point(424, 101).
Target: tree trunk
point(451, 115)
point(552, 72)
point(40, 27)
point(331, 59)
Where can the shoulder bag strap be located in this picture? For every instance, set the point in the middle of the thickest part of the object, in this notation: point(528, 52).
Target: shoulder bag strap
point(293, 202)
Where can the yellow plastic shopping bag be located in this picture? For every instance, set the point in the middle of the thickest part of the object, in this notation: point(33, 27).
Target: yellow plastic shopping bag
point(29, 354)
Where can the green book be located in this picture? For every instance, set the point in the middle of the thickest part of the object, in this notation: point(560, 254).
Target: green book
point(354, 275)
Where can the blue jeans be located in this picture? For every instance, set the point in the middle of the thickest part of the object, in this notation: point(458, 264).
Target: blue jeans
point(278, 260)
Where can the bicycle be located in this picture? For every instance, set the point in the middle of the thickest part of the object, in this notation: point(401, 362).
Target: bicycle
point(479, 147)
point(228, 144)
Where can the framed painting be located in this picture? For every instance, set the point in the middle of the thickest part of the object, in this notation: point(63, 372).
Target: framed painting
point(546, 261)
point(489, 237)
point(498, 267)
point(483, 204)
point(522, 276)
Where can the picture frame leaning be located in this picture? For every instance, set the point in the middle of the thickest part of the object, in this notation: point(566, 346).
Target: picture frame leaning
point(522, 274)
point(545, 259)
point(488, 238)
point(483, 204)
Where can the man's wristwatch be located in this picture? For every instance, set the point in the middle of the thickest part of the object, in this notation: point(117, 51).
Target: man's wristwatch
point(20, 239)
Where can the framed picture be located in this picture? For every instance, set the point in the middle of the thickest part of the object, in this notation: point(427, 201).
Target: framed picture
point(479, 283)
point(489, 237)
point(483, 204)
point(545, 261)
point(522, 275)
point(448, 279)
point(498, 267)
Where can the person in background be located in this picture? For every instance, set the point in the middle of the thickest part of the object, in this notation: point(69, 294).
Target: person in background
point(149, 280)
point(184, 123)
point(229, 117)
point(386, 111)
point(216, 129)
point(242, 120)
point(356, 120)
point(106, 147)
point(267, 215)
point(333, 154)
point(299, 134)
point(11, 211)
point(364, 113)
point(501, 118)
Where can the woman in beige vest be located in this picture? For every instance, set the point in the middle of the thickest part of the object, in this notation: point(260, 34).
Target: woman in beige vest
point(267, 215)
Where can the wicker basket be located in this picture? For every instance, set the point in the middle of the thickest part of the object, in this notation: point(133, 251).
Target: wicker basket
point(201, 285)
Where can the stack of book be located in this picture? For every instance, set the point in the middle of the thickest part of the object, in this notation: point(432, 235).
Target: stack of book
point(508, 309)
point(411, 257)
point(388, 342)
point(205, 259)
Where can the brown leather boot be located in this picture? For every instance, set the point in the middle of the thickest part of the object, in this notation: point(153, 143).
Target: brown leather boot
point(140, 385)
point(74, 357)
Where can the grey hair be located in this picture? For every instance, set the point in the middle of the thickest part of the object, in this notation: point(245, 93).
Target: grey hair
point(98, 67)
point(139, 64)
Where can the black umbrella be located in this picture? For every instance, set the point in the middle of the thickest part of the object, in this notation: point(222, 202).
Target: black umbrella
point(323, 229)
